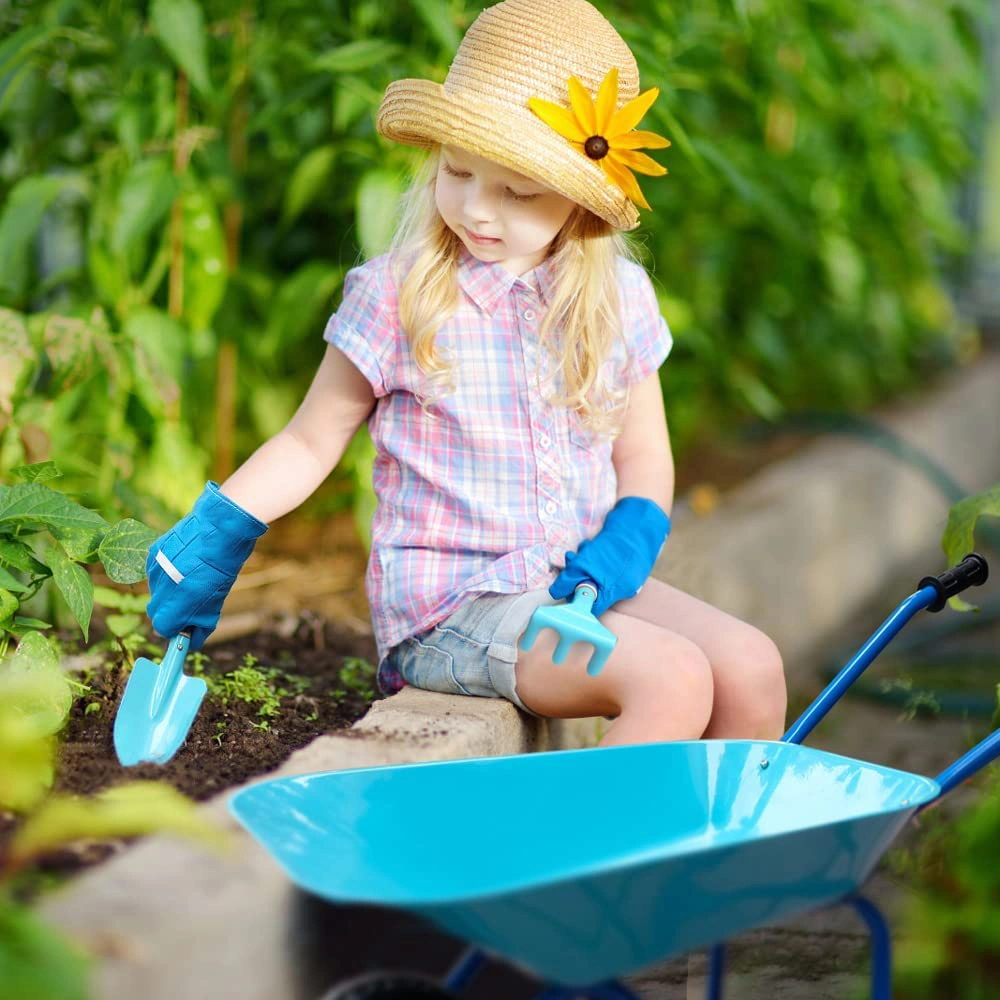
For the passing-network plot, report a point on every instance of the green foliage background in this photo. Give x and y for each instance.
(184, 186)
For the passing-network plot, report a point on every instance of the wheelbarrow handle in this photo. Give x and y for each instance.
(972, 571)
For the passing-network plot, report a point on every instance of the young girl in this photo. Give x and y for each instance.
(505, 357)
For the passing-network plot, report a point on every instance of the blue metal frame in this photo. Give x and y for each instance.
(863, 659)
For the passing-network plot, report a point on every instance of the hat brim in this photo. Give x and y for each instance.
(421, 113)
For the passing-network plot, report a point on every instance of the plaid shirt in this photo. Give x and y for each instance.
(486, 489)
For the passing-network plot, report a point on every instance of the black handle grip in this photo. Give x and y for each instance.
(972, 571)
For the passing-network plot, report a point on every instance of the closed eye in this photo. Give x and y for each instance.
(520, 197)
(449, 169)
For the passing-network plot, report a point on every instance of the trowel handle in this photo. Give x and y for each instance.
(178, 647)
(170, 667)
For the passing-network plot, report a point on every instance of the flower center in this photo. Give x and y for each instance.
(596, 147)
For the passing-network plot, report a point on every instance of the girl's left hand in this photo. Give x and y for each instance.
(620, 557)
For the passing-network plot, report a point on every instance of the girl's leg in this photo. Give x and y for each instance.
(656, 682)
(749, 681)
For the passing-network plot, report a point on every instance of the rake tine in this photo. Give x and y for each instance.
(562, 649)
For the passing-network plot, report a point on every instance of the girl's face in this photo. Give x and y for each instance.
(501, 216)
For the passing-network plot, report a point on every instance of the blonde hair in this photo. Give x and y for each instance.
(581, 325)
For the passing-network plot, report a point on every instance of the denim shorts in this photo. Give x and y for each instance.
(474, 650)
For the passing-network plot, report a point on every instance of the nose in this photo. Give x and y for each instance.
(480, 204)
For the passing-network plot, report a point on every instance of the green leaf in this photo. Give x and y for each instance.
(440, 22)
(144, 200)
(377, 210)
(23, 627)
(15, 51)
(78, 529)
(35, 652)
(17, 554)
(160, 346)
(177, 467)
(35, 699)
(40, 472)
(10, 582)
(9, 605)
(123, 625)
(958, 539)
(106, 273)
(307, 180)
(124, 549)
(299, 302)
(120, 600)
(36, 960)
(205, 271)
(355, 56)
(18, 355)
(180, 26)
(126, 811)
(959, 533)
(22, 215)
(75, 585)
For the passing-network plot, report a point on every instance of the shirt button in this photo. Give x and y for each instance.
(529, 314)
(551, 508)
(545, 441)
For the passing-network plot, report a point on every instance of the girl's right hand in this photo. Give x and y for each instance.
(192, 567)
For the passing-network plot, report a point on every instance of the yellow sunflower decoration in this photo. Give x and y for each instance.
(606, 135)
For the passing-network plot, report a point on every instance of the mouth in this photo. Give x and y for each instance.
(480, 241)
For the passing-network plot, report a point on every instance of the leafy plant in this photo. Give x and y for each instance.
(252, 684)
(950, 937)
(959, 533)
(184, 186)
(807, 235)
(35, 700)
(358, 675)
(45, 536)
(951, 933)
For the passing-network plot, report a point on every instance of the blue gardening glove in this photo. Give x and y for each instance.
(194, 565)
(620, 557)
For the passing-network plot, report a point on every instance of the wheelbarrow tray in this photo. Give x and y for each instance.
(580, 865)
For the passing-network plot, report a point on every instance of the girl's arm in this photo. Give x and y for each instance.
(288, 468)
(641, 453)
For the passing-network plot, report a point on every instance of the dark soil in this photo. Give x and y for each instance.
(229, 742)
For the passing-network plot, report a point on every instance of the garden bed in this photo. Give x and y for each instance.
(270, 693)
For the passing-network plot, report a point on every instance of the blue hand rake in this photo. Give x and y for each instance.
(575, 622)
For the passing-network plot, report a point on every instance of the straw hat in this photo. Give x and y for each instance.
(515, 63)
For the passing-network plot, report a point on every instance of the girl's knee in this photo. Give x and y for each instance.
(674, 681)
(763, 672)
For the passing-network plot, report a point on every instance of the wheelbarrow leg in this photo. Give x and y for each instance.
(460, 974)
(716, 972)
(881, 946)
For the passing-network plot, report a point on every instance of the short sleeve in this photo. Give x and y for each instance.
(364, 328)
(647, 336)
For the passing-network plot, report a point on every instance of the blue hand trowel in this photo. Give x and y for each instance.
(574, 622)
(158, 707)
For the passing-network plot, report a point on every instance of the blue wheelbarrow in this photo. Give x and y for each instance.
(605, 861)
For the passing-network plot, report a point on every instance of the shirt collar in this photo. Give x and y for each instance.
(487, 283)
